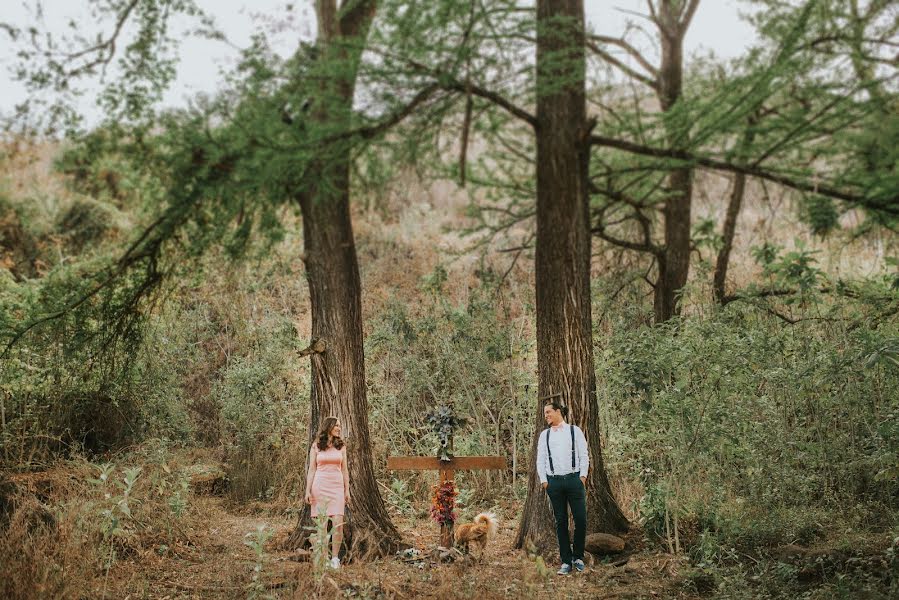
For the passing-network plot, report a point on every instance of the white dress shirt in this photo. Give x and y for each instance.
(560, 444)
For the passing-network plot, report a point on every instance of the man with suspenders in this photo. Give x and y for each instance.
(564, 480)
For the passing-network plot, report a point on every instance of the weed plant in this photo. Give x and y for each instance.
(256, 540)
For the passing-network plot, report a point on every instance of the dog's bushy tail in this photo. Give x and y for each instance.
(487, 521)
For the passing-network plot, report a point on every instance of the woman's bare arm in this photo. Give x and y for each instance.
(346, 475)
(310, 472)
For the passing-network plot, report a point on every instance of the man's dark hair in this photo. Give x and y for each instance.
(559, 406)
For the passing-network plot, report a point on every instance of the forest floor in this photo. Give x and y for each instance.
(228, 549)
(218, 564)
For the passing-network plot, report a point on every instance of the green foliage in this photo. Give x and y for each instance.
(705, 234)
(737, 432)
(116, 510)
(821, 214)
(742, 426)
(399, 496)
(445, 422)
(542, 573)
(54, 65)
(321, 545)
(78, 369)
(791, 270)
(87, 221)
(465, 355)
(136, 506)
(252, 395)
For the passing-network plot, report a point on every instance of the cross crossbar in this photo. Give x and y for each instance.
(457, 463)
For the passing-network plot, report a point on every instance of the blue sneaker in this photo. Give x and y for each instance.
(579, 565)
(565, 569)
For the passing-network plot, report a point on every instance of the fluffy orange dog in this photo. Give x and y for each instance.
(479, 532)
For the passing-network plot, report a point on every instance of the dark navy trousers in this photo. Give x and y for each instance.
(568, 491)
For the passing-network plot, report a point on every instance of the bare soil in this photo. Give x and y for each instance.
(218, 564)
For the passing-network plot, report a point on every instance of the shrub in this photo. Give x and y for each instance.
(738, 425)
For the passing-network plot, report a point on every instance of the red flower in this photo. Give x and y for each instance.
(444, 503)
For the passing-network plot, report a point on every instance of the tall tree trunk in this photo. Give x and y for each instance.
(674, 268)
(564, 329)
(338, 368)
(335, 291)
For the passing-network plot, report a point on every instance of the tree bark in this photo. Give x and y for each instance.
(335, 291)
(674, 267)
(564, 323)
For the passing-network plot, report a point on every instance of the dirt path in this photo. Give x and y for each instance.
(218, 564)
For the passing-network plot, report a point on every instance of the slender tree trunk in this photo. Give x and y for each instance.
(727, 236)
(675, 267)
(335, 291)
(564, 329)
(734, 205)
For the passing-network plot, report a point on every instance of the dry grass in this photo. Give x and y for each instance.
(217, 564)
(53, 547)
(44, 549)
(64, 530)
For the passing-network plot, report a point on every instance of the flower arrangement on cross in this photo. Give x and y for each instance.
(445, 422)
(443, 503)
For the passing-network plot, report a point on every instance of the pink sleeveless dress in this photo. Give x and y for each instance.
(327, 485)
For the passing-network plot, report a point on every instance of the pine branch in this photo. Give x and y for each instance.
(449, 82)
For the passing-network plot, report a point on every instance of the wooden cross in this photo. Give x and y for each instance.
(447, 470)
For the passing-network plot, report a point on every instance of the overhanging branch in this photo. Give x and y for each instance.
(105, 49)
(752, 171)
(396, 118)
(495, 98)
(600, 232)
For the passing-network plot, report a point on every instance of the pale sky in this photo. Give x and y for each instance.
(716, 27)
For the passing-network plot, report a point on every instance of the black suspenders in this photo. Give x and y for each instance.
(550, 453)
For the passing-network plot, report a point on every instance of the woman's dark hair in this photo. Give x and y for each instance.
(559, 406)
(323, 435)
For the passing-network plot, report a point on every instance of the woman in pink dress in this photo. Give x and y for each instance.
(328, 482)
